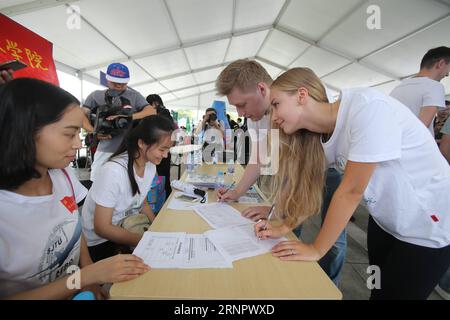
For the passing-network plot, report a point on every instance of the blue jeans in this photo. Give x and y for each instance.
(334, 259)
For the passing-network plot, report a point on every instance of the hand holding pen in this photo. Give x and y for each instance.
(227, 194)
(262, 226)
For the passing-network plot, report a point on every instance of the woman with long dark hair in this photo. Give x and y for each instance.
(121, 187)
(40, 229)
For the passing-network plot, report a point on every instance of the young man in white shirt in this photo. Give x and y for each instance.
(247, 86)
(423, 94)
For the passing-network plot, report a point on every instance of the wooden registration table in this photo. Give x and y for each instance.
(260, 277)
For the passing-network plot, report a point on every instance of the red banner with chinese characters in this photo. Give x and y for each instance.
(19, 43)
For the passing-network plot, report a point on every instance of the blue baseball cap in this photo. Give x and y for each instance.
(118, 73)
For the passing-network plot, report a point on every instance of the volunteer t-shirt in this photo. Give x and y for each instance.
(39, 236)
(408, 193)
(112, 189)
(258, 132)
(419, 92)
(212, 135)
(259, 129)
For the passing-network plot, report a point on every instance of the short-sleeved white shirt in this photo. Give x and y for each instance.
(419, 92)
(259, 127)
(408, 194)
(112, 189)
(258, 132)
(39, 236)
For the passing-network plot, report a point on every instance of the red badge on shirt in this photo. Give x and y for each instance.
(69, 203)
(435, 218)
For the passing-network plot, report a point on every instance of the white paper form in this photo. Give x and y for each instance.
(161, 249)
(240, 242)
(221, 215)
(182, 201)
(199, 252)
(251, 197)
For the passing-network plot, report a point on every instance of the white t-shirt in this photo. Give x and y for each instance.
(39, 236)
(419, 92)
(212, 135)
(260, 128)
(112, 189)
(258, 132)
(408, 194)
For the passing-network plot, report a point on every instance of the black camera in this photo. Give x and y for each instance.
(212, 117)
(116, 105)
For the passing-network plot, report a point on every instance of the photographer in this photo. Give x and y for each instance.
(211, 131)
(112, 111)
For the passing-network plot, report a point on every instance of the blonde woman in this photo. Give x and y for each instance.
(388, 159)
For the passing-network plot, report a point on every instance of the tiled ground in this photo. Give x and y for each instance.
(354, 276)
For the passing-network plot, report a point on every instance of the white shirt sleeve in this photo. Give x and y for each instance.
(106, 188)
(434, 96)
(375, 134)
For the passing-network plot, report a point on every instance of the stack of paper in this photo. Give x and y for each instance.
(220, 215)
(251, 197)
(239, 242)
(203, 180)
(234, 235)
(233, 238)
(179, 250)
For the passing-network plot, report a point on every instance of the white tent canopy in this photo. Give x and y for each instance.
(177, 48)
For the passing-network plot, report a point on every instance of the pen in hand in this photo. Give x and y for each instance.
(270, 216)
(228, 189)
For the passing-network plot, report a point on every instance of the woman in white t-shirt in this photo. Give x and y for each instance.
(40, 231)
(122, 185)
(389, 160)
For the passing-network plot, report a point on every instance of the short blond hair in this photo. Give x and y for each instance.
(243, 74)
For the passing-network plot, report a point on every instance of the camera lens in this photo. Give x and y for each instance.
(121, 123)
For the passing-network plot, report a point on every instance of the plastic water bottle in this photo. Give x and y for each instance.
(190, 163)
(230, 166)
(220, 180)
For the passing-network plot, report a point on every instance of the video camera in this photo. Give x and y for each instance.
(115, 105)
(212, 117)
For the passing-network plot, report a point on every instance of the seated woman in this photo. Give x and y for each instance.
(40, 228)
(121, 187)
(389, 160)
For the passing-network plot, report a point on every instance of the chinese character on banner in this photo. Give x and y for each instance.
(19, 43)
(13, 50)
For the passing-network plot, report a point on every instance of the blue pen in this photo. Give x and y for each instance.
(228, 189)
